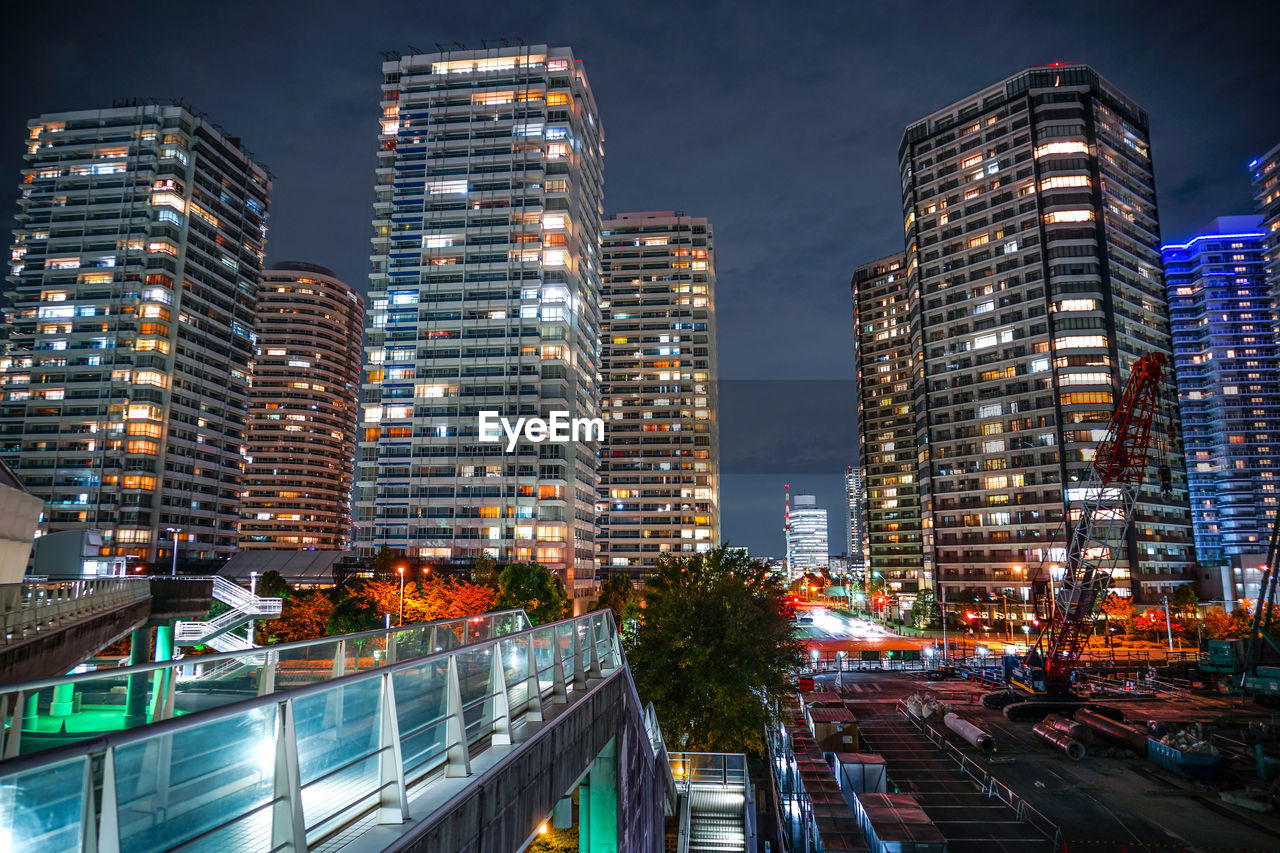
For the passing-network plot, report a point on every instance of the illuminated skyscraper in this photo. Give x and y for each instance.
(484, 296)
(136, 259)
(1228, 365)
(1033, 264)
(887, 426)
(807, 537)
(857, 520)
(1266, 194)
(659, 468)
(302, 411)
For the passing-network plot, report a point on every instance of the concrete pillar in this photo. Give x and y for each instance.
(562, 814)
(164, 642)
(63, 696)
(135, 700)
(599, 812)
(584, 815)
(30, 711)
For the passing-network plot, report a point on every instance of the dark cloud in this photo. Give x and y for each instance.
(779, 121)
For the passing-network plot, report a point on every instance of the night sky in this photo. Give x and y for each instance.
(778, 121)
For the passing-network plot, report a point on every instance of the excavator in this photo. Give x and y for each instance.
(1041, 681)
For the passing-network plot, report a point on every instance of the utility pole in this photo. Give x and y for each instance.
(1168, 623)
(943, 590)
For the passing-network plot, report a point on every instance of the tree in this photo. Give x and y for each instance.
(356, 611)
(1184, 599)
(1119, 612)
(535, 589)
(716, 650)
(619, 594)
(272, 584)
(385, 562)
(303, 616)
(925, 612)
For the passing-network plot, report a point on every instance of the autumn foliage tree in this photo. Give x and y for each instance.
(363, 604)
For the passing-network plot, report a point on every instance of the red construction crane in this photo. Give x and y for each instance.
(1097, 543)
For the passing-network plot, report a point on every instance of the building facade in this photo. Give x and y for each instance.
(1033, 258)
(806, 537)
(1228, 367)
(302, 411)
(484, 296)
(136, 258)
(659, 469)
(887, 426)
(1266, 194)
(857, 520)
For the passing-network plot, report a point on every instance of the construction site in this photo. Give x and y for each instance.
(1051, 747)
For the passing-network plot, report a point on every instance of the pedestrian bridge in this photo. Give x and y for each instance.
(430, 745)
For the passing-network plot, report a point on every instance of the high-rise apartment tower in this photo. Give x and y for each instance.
(136, 260)
(887, 426)
(1228, 366)
(1034, 271)
(484, 296)
(659, 469)
(302, 411)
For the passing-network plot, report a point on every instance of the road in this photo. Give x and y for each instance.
(830, 632)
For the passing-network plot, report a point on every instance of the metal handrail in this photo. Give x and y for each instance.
(582, 648)
(258, 653)
(29, 608)
(1023, 810)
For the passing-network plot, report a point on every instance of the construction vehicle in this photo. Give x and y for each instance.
(1040, 682)
(1251, 665)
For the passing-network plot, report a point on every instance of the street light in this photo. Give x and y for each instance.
(400, 569)
(173, 569)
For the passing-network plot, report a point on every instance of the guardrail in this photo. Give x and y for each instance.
(225, 678)
(290, 770)
(727, 769)
(988, 784)
(30, 608)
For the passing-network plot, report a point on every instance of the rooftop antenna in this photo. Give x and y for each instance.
(484, 44)
(505, 42)
(519, 41)
(460, 45)
(439, 47)
(414, 49)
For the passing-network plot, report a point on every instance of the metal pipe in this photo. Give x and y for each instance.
(1069, 727)
(1115, 732)
(1073, 748)
(971, 733)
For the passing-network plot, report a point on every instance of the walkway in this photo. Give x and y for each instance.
(465, 748)
(56, 711)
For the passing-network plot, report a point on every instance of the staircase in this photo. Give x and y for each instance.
(215, 632)
(716, 820)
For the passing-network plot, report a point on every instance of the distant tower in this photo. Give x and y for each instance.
(857, 521)
(807, 523)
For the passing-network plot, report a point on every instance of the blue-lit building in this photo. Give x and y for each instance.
(1228, 368)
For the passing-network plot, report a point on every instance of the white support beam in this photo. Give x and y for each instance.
(559, 686)
(88, 816)
(267, 675)
(593, 643)
(109, 824)
(499, 704)
(393, 799)
(579, 669)
(458, 756)
(288, 828)
(533, 684)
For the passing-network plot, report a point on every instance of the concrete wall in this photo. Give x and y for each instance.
(19, 513)
(499, 815)
(52, 653)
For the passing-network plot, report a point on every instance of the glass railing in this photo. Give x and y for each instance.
(289, 770)
(55, 711)
(709, 768)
